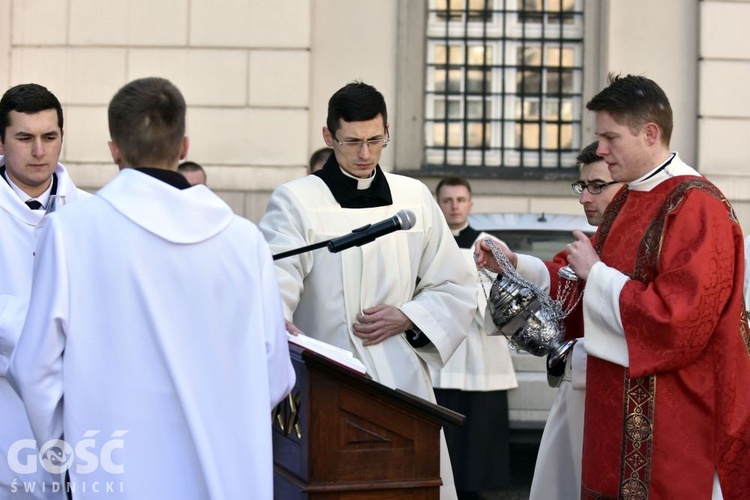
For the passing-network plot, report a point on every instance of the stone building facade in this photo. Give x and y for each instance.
(257, 75)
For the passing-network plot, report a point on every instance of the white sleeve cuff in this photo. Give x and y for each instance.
(603, 330)
(578, 359)
(534, 270)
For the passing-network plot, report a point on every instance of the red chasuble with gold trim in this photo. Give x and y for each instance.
(660, 428)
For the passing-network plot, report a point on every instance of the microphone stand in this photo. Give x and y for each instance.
(359, 235)
(296, 251)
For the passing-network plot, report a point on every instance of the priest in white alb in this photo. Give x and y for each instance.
(399, 303)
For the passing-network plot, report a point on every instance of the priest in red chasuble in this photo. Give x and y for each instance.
(667, 407)
(668, 376)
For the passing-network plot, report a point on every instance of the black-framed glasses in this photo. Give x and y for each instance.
(593, 188)
(374, 144)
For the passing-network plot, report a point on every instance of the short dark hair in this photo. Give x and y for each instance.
(318, 156)
(27, 98)
(189, 166)
(147, 121)
(452, 181)
(635, 101)
(355, 102)
(588, 154)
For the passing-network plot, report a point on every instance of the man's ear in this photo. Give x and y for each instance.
(184, 147)
(115, 152)
(328, 137)
(652, 133)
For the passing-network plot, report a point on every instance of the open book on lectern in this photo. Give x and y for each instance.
(336, 354)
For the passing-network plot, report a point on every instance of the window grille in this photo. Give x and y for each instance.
(504, 83)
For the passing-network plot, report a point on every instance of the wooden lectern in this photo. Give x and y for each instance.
(341, 435)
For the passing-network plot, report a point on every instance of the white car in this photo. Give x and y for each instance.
(540, 235)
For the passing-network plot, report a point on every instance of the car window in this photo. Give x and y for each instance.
(539, 243)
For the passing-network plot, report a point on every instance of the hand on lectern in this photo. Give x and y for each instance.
(292, 329)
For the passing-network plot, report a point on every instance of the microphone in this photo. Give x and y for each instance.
(404, 219)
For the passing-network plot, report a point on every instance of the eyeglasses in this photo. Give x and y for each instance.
(593, 188)
(374, 144)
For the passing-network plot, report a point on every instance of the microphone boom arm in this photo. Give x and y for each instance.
(299, 250)
(404, 219)
(321, 244)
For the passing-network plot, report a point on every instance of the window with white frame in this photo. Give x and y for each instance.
(504, 83)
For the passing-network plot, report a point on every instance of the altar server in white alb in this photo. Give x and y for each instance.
(557, 473)
(476, 380)
(155, 328)
(31, 134)
(399, 303)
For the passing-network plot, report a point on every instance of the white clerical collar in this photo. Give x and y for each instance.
(362, 184)
(456, 232)
(42, 198)
(671, 167)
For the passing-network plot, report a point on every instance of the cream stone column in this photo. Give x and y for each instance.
(724, 107)
(660, 41)
(5, 34)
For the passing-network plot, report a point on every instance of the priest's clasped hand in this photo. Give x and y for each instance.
(581, 255)
(376, 324)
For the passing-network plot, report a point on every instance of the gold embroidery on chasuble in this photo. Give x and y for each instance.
(637, 437)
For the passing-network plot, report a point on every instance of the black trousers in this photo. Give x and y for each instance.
(479, 450)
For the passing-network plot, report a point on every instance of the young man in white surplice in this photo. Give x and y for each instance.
(31, 136)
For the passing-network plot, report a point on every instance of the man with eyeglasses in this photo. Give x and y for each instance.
(557, 473)
(595, 187)
(667, 413)
(400, 303)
